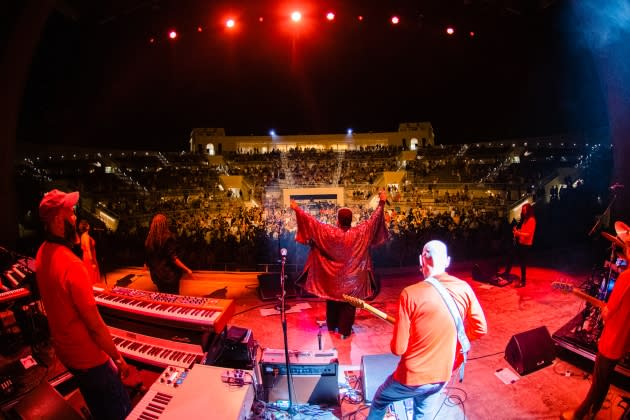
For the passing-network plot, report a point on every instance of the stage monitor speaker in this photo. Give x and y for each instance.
(486, 272)
(375, 369)
(314, 374)
(44, 402)
(531, 350)
(269, 287)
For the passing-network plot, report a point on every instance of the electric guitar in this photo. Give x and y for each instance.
(356, 302)
(568, 287)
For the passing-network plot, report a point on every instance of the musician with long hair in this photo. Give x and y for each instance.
(165, 267)
(522, 245)
(88, 248)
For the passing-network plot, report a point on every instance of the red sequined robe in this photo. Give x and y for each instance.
(339, 261)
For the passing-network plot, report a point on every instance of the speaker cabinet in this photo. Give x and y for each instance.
(375, 369)
(269, 286)
(531, 350)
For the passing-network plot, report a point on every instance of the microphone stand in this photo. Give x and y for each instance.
(598, 222)
(283, 318)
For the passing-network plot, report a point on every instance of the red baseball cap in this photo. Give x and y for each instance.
(54, 201)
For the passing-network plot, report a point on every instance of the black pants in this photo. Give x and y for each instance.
(521, 253)
(602, 373)
(340, 315)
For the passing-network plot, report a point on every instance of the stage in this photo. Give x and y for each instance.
(491, 388)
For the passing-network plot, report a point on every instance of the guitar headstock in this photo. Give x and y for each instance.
(354, 301)
(563, 286)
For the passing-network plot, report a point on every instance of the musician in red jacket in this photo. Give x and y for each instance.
(339, 261)
(81, 339)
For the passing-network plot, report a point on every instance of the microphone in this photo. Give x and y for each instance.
(616, 186)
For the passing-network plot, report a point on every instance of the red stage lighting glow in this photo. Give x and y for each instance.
(172, 34)
(260, 19)
(360, 18)
(296, 16)
(230, 23)
(151, 40)
(395, 20)
(199, 29)
(330, 16)
(450, 30)
(472, 34)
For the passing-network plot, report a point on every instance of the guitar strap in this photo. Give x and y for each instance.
(464, 342)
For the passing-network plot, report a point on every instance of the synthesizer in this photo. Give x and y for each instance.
(156, 307)
(11, 295)
(200, 392)
(155, 351)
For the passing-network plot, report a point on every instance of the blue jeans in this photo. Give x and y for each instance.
(103, 391)
(426, 398)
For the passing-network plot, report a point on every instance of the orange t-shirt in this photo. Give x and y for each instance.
(425, 335)
(66, 292)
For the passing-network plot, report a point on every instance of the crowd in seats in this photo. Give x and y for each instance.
(216, 227)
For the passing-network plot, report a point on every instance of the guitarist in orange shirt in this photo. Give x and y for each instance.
(425, 336)
(614, 342)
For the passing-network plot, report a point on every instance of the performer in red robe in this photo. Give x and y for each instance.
(339, 261)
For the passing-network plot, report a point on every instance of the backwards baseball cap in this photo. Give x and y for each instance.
(54, 201)
(623, 232)
(344, 216)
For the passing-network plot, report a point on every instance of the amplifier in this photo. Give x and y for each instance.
(314, 374)
(233, 348)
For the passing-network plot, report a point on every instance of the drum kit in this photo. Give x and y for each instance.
(618, 261)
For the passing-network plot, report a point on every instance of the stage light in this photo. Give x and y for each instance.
(296, 16)
(471, 33)
(260, 19)
(272, 132)
(230, 23)
(199, 29)
(330, 16)
(349, 131)
(450, 30)
(172, 34)
(395, 20)
(151, 40)
(360, 18)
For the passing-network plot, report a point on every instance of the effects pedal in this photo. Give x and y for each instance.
(234, 377)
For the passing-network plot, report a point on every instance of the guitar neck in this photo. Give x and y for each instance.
(590, 299)
(379, 313)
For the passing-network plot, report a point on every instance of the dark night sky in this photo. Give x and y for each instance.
(96, 80)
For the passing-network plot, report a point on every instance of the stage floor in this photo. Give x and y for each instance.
(543, 394)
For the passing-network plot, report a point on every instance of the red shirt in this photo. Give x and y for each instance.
(66, 292)
(614, 342)
(425, 335)
(527, 231)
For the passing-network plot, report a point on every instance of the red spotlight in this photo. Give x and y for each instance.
(260, 19)
(395, 20)
(330, 16)
(360, 18)
(199, 29)
(172, 34)
(230, 23)
(296, 16)
(471, 33)
(450, 30)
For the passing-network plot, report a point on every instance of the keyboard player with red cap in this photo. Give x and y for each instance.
(80, 338)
